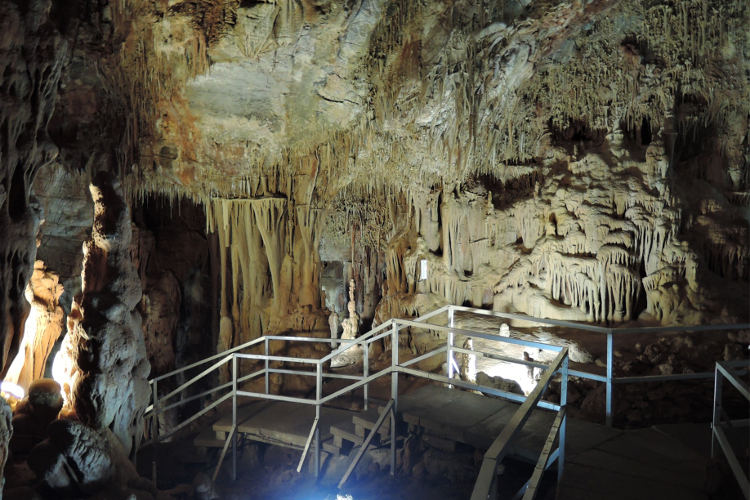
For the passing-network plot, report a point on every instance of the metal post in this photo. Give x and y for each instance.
(267, 385)
(318, 396)
(472, 368)
(449, 351)
(394, 393)
(717, 408)
(234, 417)
(366, 370)
(564, 423)
(609, 379)
(154, 431)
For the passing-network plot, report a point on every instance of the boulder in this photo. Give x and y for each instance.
(44, 393)
(75, 458)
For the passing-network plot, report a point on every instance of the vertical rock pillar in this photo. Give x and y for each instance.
(108, 366)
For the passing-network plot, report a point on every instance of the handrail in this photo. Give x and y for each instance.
(364, 339)
(602, 329)
(196, 378)
(206, 360)
(610, 380)
(544, 459)
(499, 447)
(392, 329)
(723, 371)
(480, 335)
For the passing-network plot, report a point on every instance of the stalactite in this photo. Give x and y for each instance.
(309, 221)
(244, 265)
(270, 216)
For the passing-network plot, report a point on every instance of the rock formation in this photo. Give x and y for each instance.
(42, 329)
(104, 351)
(351, 328)
(6, 432)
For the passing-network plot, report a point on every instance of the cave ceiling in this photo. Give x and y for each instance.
(215, 98)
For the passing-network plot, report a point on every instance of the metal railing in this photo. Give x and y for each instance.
(610, 380)
(391, 330)
(728, 371)
(486, 483)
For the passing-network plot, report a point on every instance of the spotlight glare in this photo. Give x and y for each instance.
(12, 389)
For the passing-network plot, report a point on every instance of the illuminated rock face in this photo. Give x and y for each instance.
(541, 158)
(578, 240)
(43, 327)
(104, 347)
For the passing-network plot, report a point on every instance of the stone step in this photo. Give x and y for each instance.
(331, 448)
(364, 421)
(208, 439)
(345, 431)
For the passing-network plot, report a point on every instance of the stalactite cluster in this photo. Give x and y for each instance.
(583, 249)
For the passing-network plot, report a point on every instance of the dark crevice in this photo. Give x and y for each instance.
(17, 195)
(645, 132)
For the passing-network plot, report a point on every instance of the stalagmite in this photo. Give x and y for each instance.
(43, 327)
(351, 327)
(106, 356)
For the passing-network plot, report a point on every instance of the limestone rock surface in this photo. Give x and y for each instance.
(104, 351)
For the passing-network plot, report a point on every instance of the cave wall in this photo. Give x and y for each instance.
(579, 161)
(31, 59)
(606, 237)
(172, 258)
(584, 161)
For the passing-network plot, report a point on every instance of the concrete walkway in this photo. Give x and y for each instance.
(655, 463)
(660, 463)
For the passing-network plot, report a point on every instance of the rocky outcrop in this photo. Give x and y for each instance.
(104, 352)
(33, 414)
(67, 214)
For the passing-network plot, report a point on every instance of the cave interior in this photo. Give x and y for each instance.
(184, 181)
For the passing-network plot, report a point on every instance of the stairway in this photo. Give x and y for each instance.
(347, 435)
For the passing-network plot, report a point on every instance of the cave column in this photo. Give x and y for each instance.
(104, 350)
